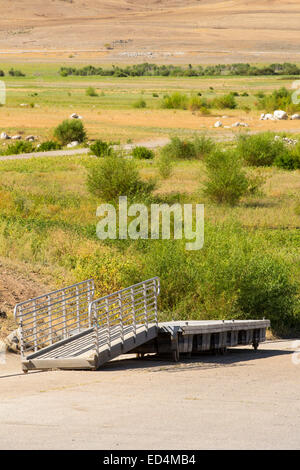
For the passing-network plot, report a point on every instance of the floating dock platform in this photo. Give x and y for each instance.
(69, 329)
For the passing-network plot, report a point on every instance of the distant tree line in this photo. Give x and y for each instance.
(147, 69)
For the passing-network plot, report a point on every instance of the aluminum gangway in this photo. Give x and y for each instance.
(70, 329)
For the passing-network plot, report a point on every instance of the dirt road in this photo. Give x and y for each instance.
(241, 400)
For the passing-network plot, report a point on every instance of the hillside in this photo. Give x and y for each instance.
(199, 31)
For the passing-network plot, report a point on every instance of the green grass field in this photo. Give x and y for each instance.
(48, 218)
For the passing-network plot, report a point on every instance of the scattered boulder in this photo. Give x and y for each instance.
(72, 144)
(218, 124)
(75, 116)
(295, 116)
(286, 140)
(13, 341)
(268, 117)
(4, 136)
(240, 124)
(280, 115)
(16, 137)
(30, 138)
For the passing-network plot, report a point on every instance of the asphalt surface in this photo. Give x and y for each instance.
(243, 400)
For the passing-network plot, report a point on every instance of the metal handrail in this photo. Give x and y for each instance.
(131, 308)
(49, 318)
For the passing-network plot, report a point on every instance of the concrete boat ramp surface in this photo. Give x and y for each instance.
(242, 400)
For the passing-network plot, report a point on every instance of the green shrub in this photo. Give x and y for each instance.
(196, 103)
(260, 149)
(203, 146)
(49, 145)
(142, 153)
(225, 102)
(233, 276)
(140, 103)
(290, 159)
(165, 165)
(179, 149)
(90, 91)
(69, 131)
(16, 73)
(226, 181)
(175, 101)
(19, 147)
(115, 176)
(101, 149)
(279, 99)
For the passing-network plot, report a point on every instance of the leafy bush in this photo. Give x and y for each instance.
(203, 146)
(260, 149)
(279, 99)
(165, 165)
(226, 181)
(225, 102)
(101, 149)
(69, 131)
(115, 176)
(142, 153)
(90, 91)
(49, 145)
(290, 159)
(140, 103)
(19, 147)
(233, 276)
(16, 73)
(175, 101)
(196, 103)
(179, 149)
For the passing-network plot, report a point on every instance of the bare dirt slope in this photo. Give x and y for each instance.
(17, 285)
(172, 30)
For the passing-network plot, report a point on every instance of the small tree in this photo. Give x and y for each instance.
(113, 177)
(90, 91)
(70, 130)
(226, 181)
(101, 149)
(165, 166)
(142, 153)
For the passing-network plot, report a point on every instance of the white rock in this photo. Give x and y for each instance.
(295, 116)
(218, 124)
(16, 137)
(13, 341)
(269, 117)
(72, 144)
(262, 117)
(280, 115)
(75, 116)
(30, 138)
(4, 136)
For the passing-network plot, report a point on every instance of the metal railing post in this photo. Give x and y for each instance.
(145, 307)
(108, 326)
(35, 329)
(50, 321)
(133, 312)
(121, 318)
